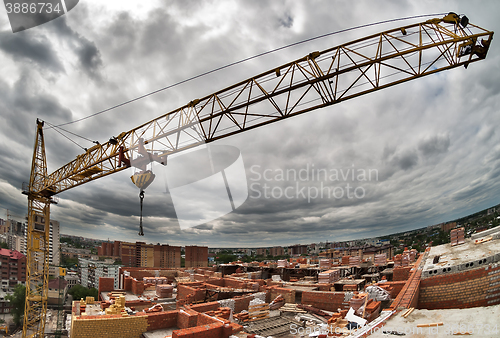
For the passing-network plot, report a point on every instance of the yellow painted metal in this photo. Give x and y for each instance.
(37, 269)
(319, 79)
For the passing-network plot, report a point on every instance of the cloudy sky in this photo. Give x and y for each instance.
(431, 144)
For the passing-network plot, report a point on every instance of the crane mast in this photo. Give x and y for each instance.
(319, 79)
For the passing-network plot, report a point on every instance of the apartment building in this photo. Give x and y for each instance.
(196, 256)
(12, 268)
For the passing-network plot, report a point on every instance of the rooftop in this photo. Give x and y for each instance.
(479, 321)
(462, 254)
(13, 254)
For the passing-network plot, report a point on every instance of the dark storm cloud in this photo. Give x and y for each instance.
(86, 51)
(286, 21)
(31, 48)
(432, 141)
(434, 145)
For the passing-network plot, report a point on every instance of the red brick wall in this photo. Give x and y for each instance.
(396, 287)
(187, 318)
(216, 281)
(162, 320)
(137, 287)
(466, 289)
(329, 301)
(241, 303)
(185, 290)
(207, 331)
(288, 294)
(106, 284)
(127, 284)
(324, 287)
(203, 319)
(204, 307)
(401, 273)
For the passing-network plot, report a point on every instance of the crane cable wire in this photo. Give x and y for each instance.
(239, 62)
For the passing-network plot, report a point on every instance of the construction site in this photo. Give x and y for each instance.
(412, 294)
(449, 289)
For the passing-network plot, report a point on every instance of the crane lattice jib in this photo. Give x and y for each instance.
(317, 80)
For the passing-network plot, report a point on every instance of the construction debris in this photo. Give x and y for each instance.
(289, 307)
(377, 293)
(258, 312)
(277, 303)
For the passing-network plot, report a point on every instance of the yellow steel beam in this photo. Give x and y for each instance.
(317, 80)
(37, 243)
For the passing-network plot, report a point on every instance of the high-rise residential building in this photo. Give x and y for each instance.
(140, 254)
(261, 252)
(145, 254)
(196, 256)
(90, 271)
(297, 249)
(54, 256)
(276, 251)
(12, 268)
(15, 235)
(167, 256)
(127, 254)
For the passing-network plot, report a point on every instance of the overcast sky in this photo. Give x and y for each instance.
(432, 144)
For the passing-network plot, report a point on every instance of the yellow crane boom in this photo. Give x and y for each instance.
(319, 79)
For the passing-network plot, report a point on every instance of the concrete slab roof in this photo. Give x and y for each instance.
(479, 321)
(460, 254)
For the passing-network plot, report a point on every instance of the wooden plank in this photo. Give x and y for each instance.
(409, 311)
(430, 324)
(260, 318)
(483, 240)
(404, 312)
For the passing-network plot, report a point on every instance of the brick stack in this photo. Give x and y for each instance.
(350, 287)
(223, 312)
(457, 236)
(164, 291)
(413, 255)
(345, 260)
(358, 301)
(282, 263)
(354, 260)
(372, 310)
(405, 260)
(380, 259)
(328, 301)
(328, 277)
(325, 264)
(397, 260)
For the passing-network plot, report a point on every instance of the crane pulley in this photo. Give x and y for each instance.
(319, 79)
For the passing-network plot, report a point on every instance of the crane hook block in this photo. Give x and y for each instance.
(143, 179)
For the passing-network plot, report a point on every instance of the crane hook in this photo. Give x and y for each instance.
(141, 196)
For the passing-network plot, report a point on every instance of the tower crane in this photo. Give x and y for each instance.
(319, 79)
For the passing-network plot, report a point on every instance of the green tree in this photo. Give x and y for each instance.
(78, 292)
(17, 302)
(4, 245)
